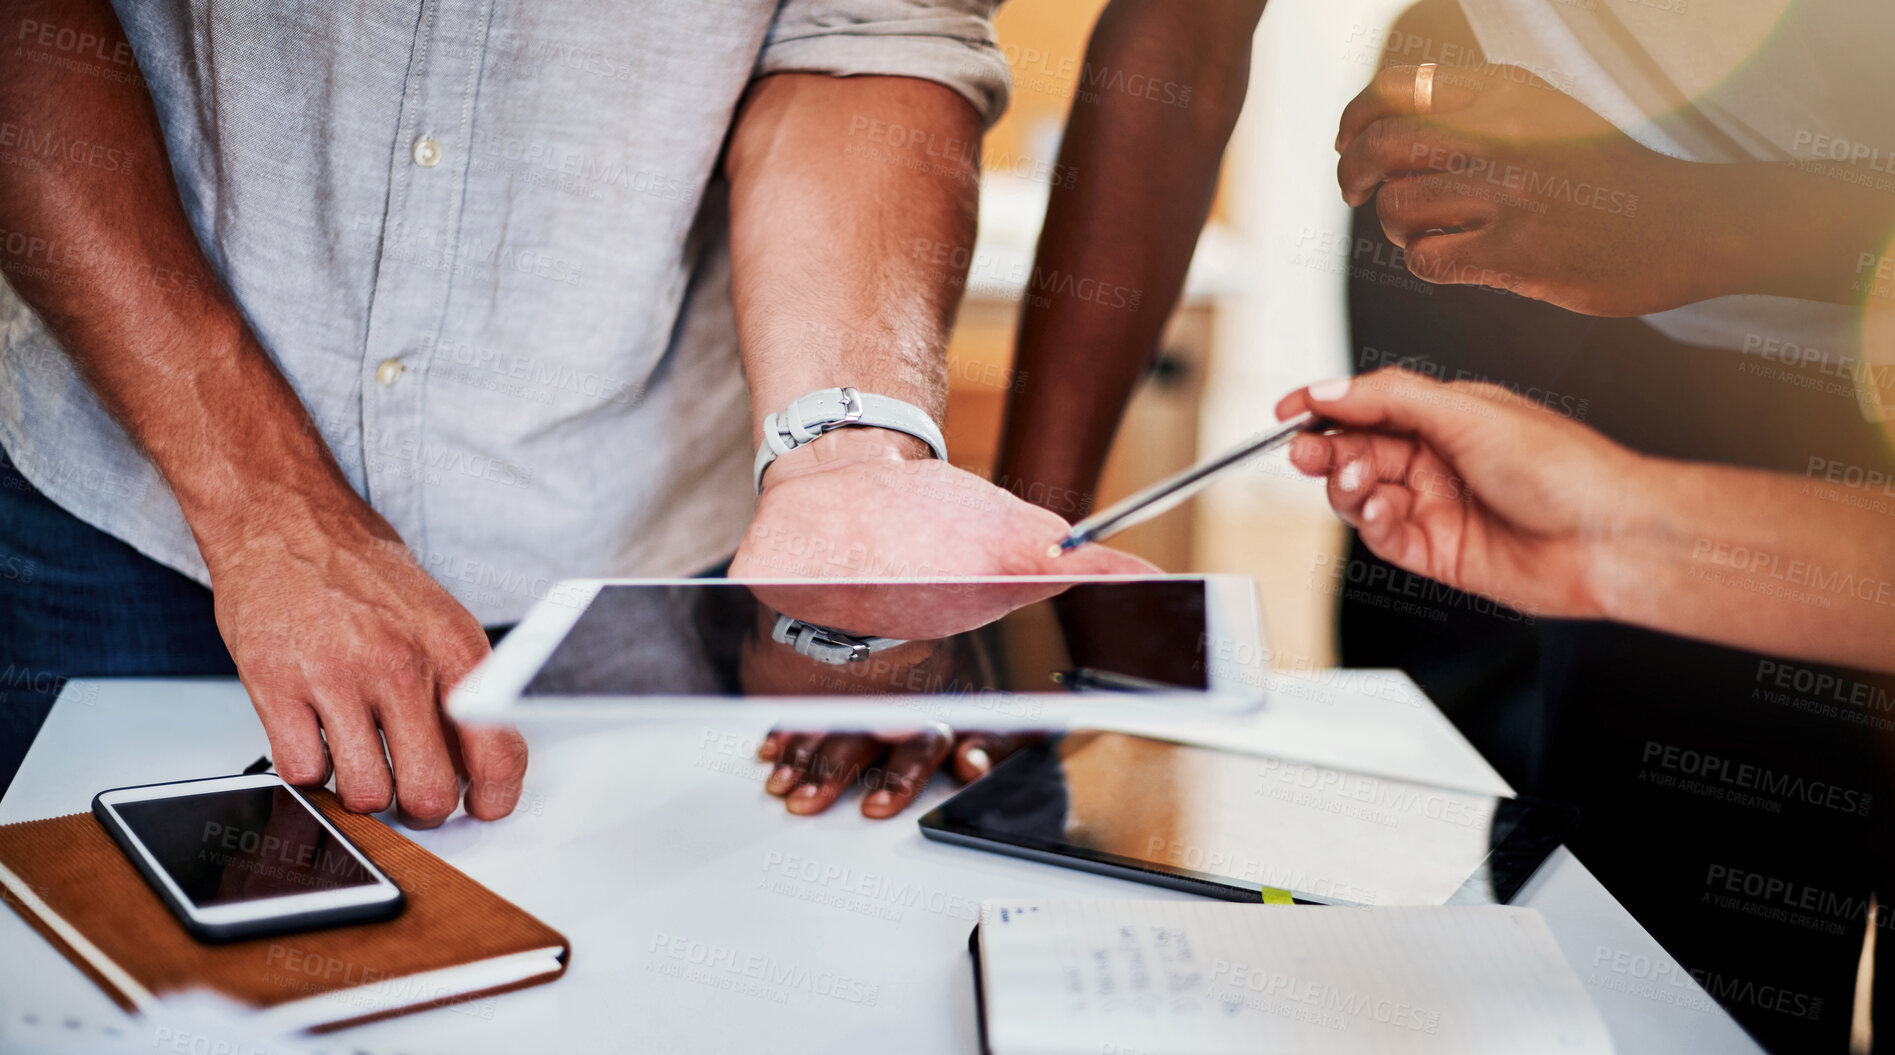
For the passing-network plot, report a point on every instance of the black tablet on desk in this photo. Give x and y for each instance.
(1246, 827)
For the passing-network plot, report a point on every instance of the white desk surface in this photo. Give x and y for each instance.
(628, 837)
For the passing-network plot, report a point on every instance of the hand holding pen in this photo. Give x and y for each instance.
(1169, 492)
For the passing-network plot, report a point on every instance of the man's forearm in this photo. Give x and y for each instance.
(1141, 172)
(837, 224)
(1807, 569)
(123, 284)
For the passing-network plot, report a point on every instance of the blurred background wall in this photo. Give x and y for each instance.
(1263, 310)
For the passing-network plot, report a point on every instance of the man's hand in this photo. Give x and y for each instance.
(337, 633)
(1512, 184)
(869, 503)
(865, 503)
(1471, 486)
(327, 617)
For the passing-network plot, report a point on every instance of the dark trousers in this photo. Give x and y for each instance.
(76, 602)
(1740, 805)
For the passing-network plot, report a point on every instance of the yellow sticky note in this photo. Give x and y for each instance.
(1273, 896)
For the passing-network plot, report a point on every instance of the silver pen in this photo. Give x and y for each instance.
(1172, 490)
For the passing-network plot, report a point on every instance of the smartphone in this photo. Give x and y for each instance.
(244, 856)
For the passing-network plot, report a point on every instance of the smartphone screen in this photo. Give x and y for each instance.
(244, 844)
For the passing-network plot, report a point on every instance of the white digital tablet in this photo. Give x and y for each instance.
(991, 653)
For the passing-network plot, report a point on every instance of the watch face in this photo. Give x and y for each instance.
(883, 638)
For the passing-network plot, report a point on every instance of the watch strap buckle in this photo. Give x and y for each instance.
(826, 644)
(833, 408)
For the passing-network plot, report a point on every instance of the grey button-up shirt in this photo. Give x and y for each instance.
(485, 244)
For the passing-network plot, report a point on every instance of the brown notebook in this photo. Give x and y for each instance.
(454, 942)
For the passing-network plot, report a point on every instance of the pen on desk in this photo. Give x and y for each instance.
(1168, 492)
(1083, 679)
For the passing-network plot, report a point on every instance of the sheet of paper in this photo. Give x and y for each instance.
(1111, 977)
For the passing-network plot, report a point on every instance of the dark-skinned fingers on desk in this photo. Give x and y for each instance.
(793, 753)
(976, 753)
(836, 763)
(911, 761)
(773, 744)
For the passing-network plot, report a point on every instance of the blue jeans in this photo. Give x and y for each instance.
(76, 602)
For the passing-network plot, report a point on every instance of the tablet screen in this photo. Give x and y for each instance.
(718, 639)
(1246, 822)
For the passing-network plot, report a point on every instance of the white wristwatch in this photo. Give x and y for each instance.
(826, 644)
(836, 408)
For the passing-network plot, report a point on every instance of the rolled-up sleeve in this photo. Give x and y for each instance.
(950, 42)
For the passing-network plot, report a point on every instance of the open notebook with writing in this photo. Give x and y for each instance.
(1194, 978)
(456, 942)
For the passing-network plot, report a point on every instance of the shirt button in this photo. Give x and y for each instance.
(427, 152)
(388, 372)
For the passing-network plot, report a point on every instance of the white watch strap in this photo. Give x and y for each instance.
(835, 408)
(827, 644)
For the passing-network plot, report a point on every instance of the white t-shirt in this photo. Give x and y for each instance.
(1804, 81)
